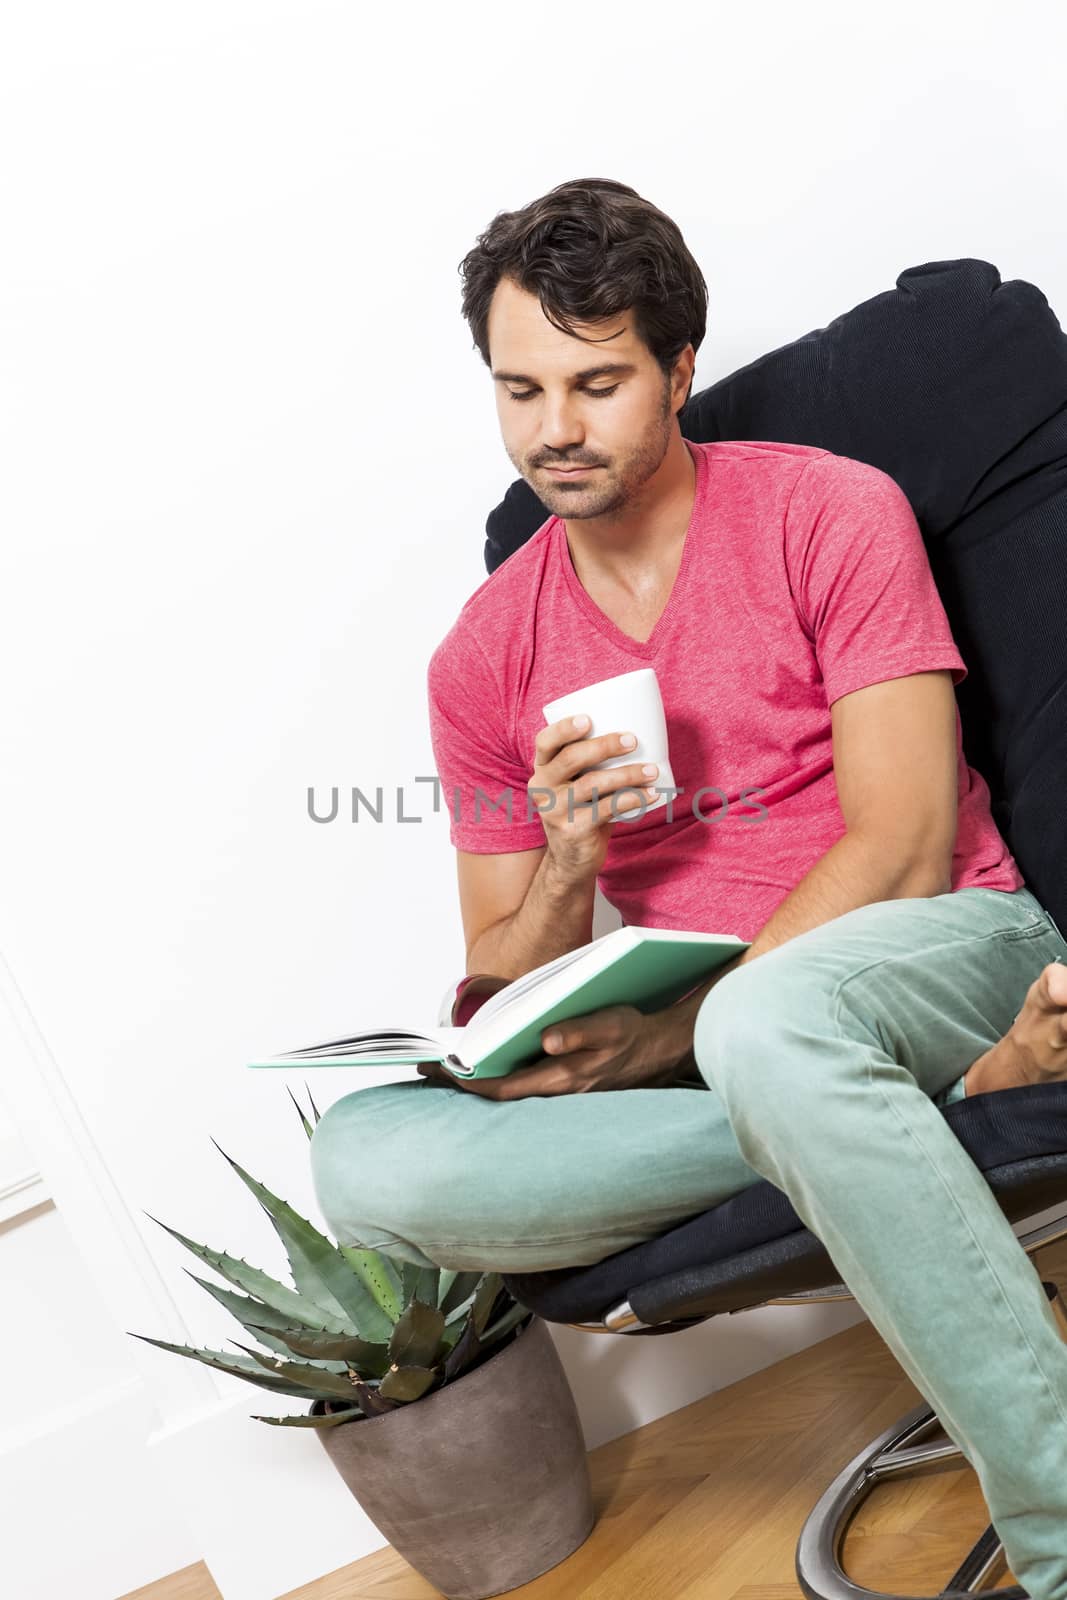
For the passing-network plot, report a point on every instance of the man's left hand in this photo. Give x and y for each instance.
(618, 1047)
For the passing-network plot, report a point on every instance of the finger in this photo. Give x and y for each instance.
(541, 1077)
(504, 1088)
(550, 740)
(625, 798)
(590, 1031)
(484, 1088)
(563, 744)
(434, 1072)
(577, 1033)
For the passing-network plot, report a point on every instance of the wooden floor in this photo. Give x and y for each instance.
(708, 1503)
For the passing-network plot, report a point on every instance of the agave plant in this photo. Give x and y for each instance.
(377, 1333)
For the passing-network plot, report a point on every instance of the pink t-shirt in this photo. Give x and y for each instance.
(803, 577)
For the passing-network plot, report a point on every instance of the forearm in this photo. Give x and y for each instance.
(855, 871)
(555, 917)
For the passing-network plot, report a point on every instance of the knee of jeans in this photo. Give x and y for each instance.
(739, 1036)
(371, 1163)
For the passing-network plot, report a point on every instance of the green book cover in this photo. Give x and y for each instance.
(648, 968)
(649, 973)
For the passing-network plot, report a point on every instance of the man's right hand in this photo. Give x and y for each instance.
(577, 831)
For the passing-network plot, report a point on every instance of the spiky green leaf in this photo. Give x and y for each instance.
(370, 1359)
(419, 1283)
(260, 1320)
(458, 1315)
(503, 1325)
(308, 1129)
(451, 1336)
(407, 1383)
(464, 1351)
(485, 1299)
(381, 1277)
(417, 1336)
(237, 1367)
(319, 1268)
(299, 1308)
(320, 1379)
(374, 1404)
(446, 1278)
(462, 1289)
(352, 1414)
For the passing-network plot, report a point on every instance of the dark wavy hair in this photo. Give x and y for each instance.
(589, 249)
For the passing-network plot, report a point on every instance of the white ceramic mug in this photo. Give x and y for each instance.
(629, 703)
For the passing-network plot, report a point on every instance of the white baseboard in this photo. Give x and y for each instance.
(83, 1514)
(269, 1509)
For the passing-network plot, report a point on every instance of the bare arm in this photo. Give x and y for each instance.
(553, 914)
(523, 909)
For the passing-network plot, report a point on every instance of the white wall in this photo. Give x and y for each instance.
(248, 455)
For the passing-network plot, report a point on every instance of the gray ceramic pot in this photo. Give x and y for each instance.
(483, 1484)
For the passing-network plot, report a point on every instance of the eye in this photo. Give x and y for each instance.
(597, 394)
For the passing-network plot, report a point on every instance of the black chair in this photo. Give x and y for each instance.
(956, 385)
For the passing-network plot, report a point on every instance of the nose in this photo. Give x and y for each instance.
(560, 428)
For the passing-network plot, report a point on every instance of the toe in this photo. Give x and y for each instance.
(1053, 986)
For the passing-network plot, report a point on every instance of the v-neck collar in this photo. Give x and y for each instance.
(644, 648)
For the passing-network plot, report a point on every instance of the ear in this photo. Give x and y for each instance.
(682, 379)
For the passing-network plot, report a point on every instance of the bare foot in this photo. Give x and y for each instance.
(1034, 1049)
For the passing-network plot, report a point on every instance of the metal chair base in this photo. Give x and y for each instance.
(818, 1565)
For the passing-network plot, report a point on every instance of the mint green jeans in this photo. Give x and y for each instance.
(824, 1062)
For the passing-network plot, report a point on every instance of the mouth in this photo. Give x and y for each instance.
(569, 472)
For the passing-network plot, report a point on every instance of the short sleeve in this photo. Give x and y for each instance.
(861, 578)
(483, 782)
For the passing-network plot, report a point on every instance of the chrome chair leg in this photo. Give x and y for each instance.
(818, 1558)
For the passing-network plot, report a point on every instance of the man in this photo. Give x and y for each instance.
(784, 597)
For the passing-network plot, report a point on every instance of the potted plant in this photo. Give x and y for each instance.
(439, 1398)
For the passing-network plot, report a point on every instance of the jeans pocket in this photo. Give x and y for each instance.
(1041, 923)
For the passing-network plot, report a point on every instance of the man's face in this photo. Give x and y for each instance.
(618, 425)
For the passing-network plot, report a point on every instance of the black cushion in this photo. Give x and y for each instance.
(955, 384)
(754, 1244)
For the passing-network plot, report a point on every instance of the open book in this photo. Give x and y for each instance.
(648, 968)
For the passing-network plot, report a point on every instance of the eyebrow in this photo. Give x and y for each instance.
(602, 371)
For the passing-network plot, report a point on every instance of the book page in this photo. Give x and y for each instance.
(530, 980)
